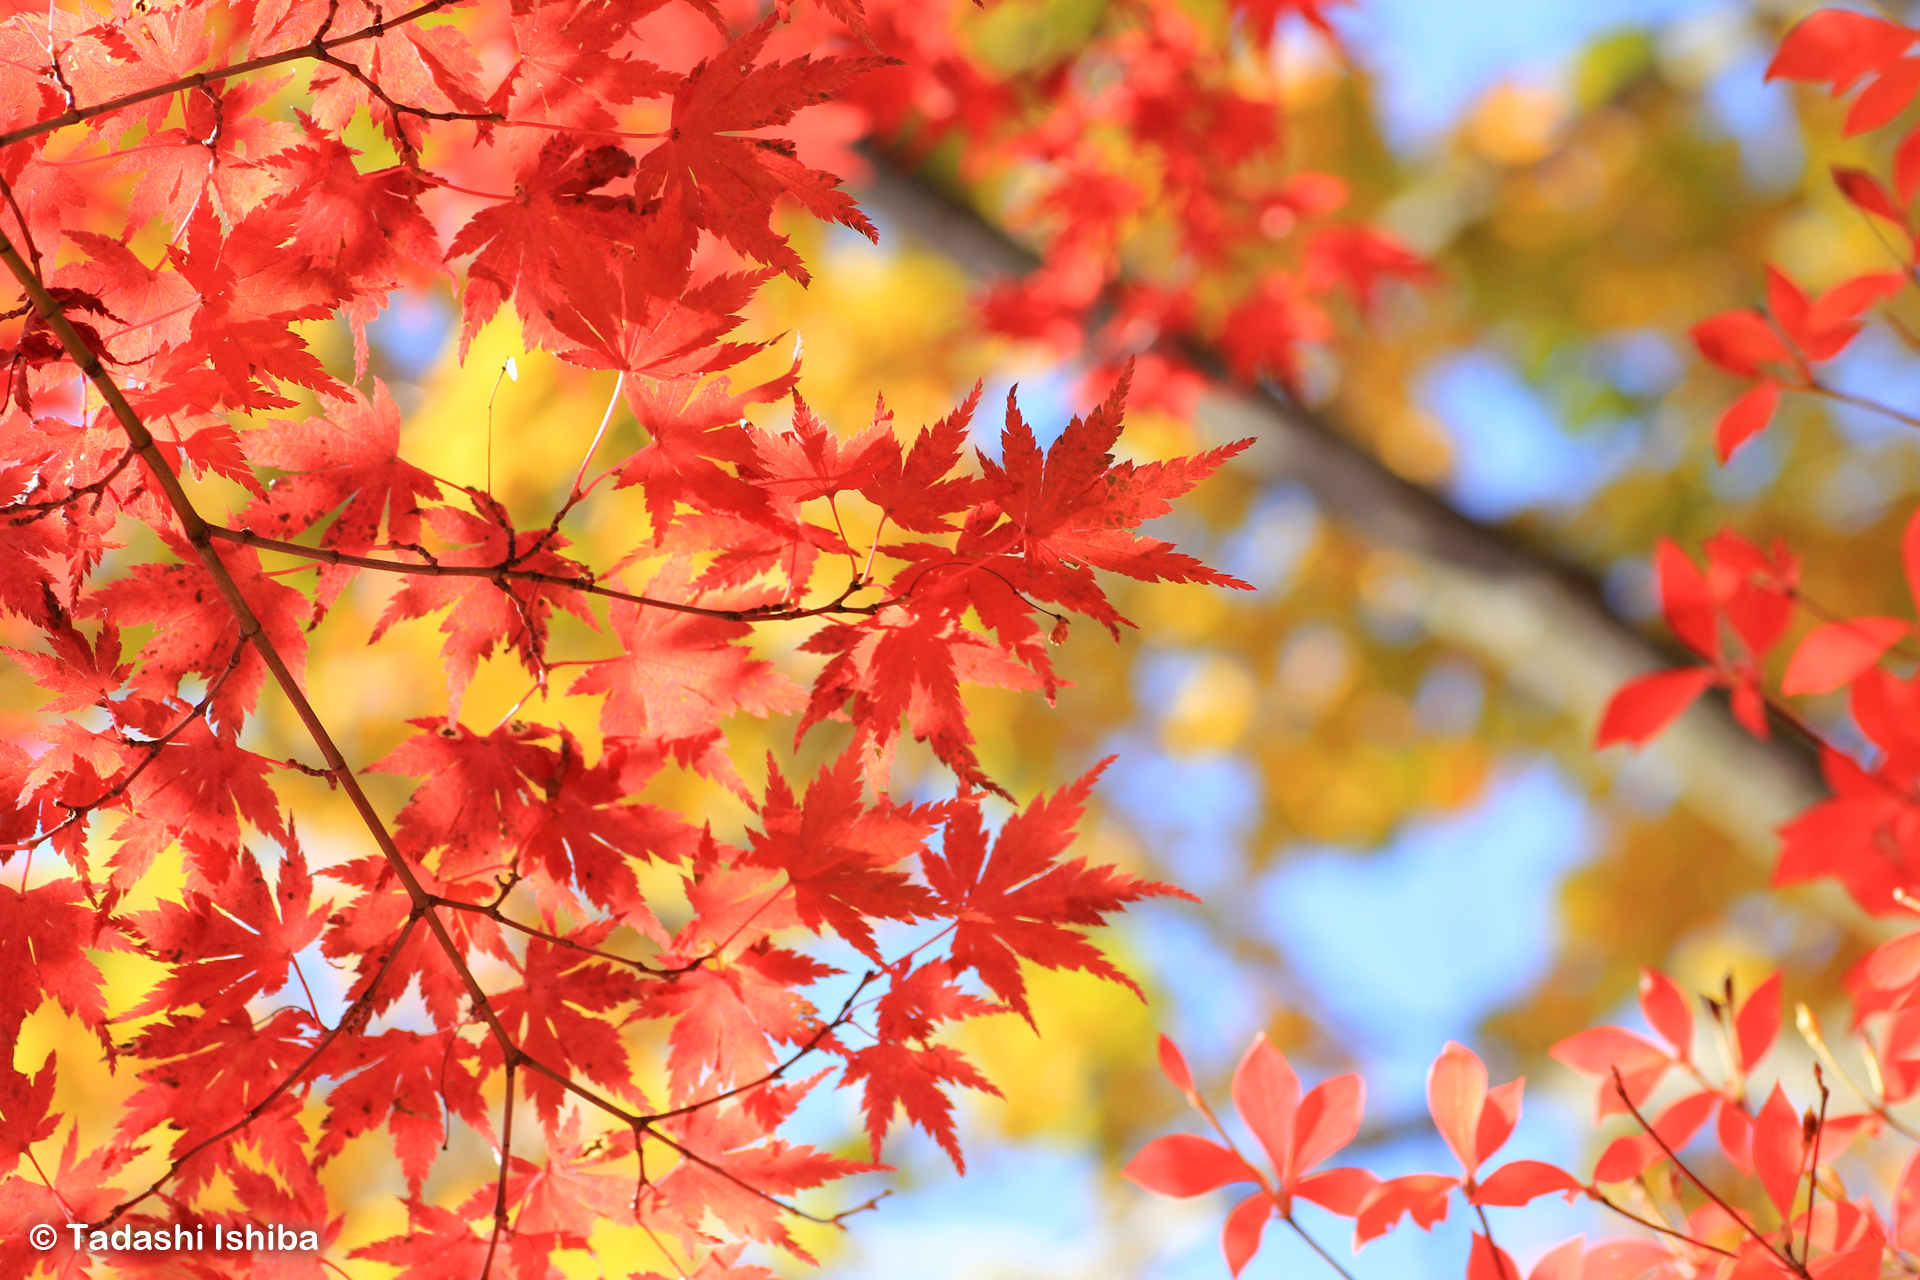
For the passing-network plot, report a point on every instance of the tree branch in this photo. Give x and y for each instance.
(317, 48)
(1786, 1259)
(492, 912)
(434, 569)
(293, 1077)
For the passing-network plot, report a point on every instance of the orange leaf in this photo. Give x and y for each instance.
(1745, 418)
(1645, 706)
(1739, 342)
(1758, 1023)
(1185, 1164)
(1456, 1094)
(1864, 192)
(1838, 46)
(1836, 654)
(1240, 1238)
(1522, 1181)
(1667, 1010)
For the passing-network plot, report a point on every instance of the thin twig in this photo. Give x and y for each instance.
(1813, 1171)
(154, 746)
(1486, 1228)
(492, 912)
(825, 1029)
(96, 490)
(1315, 1246)
(315, 48)
(1596, 1194)
(254, 1112)
(434, 569)
(500, 1188)
(1620, 1087)
(1861, 402)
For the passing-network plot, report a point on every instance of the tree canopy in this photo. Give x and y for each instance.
(566, 715)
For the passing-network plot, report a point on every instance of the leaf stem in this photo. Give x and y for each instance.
(1620, 1087)
(318, 47)
(1596, 1194)
(1315, 1246)
(434, 569)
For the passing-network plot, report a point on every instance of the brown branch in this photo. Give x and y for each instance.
(1597, 1194)
(95, 489)
(1786, 1259)
(1816, 387)
(400, 108)
(492, 912)
(500, 1187)
(1813, 1172)
(825, 1029)
(254, 1112)
(1486, 1228)
(1327, 1257)
(318, 48)
(435, 569)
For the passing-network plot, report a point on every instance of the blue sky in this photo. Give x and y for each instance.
(1432, 57)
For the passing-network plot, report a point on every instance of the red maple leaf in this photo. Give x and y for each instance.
(695, 432)
(44, 936)
(727, 1017)
(519, 244)
(473, 789)
(556, 1016)
(840, 857)
(79, 673)
(207, 1077)
(80, 1192)
(730, 1168)
(195, 789)
(402, 1079)
(809, 461)
(438, 1245)
(345, 460)
(916, 490)
(25, 1106)
(728, 181)
(194, 634)
(680, 674)
(1021, 903)
(367, 929)
(903, 1075)
(583, 835)
(233, 943)
(1073, 509)
(484, 614)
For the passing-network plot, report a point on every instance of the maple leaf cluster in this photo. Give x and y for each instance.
(183, 204)
(1175, 227)
(1773, 1144)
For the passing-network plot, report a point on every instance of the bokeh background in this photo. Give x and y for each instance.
(1380, 784)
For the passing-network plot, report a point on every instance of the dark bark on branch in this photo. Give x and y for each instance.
(1542, 621)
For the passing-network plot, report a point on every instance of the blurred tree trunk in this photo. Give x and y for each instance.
(1542, 621)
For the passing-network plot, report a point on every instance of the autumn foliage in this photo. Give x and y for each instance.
(182, 205)
(623, 999)
(1729, 1167)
